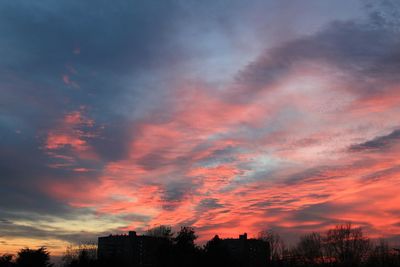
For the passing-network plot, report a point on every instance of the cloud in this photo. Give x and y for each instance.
(131, 115)
(379, 143)
(210, 203)
(362, 55)
(174, 193)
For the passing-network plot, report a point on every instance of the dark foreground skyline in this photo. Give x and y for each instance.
(341, 246)
(230, 116)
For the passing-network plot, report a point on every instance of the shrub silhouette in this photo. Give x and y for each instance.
(33, 258)
(6, 260)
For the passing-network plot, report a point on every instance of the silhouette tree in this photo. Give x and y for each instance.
(160, 231)
(347, 245)
(84, 255)
(185, 238)
(33, 258)
(310, 249)
(185, 251)
(276, 245)
(381, 255)
(6, 260)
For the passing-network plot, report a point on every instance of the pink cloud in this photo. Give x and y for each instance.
(72, 133)
(267, 163)
(66, 79)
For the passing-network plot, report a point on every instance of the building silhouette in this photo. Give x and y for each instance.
(246, 252)
(134, 250)
(131, 250)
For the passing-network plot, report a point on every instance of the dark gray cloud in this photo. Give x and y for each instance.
(209, 204)
(118, 37)
(365, 53)
(95, 45)
(10, 229)
(379, 143)
(112, 41)
(213, 225)
(320, 212)
(38, 224)
(175, 192)
(314, 174)
(382, 174)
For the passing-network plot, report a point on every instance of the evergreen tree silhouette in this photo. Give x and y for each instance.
(33, 258)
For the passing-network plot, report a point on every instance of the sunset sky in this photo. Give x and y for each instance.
(230, 116)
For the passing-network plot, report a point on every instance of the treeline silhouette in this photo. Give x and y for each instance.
(343, 245)
(27, 258)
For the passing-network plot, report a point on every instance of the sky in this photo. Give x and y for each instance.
(229, 116)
